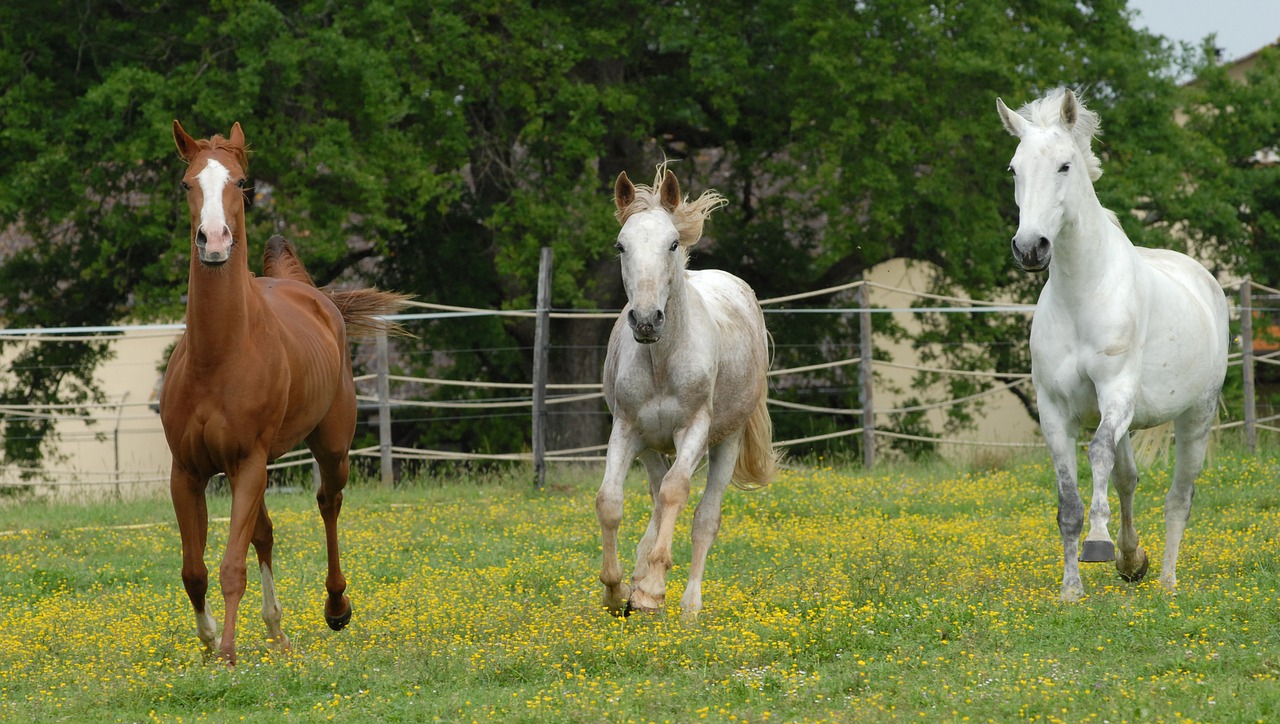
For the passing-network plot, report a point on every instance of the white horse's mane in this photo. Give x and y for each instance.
(687, 216)
(1046, 112)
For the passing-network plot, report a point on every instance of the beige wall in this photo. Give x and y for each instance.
(121, 451)
(1003, 419)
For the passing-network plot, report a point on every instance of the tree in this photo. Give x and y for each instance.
(434, 147)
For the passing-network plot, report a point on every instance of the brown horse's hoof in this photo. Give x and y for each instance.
(1098, 551)
(337, 623)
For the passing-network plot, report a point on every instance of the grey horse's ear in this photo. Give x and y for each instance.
(669, 193)
(624, 192)
(1013, 123)
(1070, 109)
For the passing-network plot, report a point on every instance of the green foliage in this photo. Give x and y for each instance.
(435, 146)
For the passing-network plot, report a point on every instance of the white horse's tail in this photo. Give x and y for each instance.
(757, 459)
(1151, 444)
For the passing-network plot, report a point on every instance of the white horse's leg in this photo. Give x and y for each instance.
(623, 446)
(1191, 441)
(656, 466)
(649, 590)
(706, 519)
(1062, 450)
(1131, 559)
(1098, 547)
(1117, 413)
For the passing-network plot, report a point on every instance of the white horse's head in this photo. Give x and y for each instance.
(1052, 169)
(658, 227)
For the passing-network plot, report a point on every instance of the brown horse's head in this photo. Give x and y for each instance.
(214, 183)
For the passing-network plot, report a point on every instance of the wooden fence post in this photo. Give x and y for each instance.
(865, 378)
(1246, 365)
(541, 335)
(387, 474)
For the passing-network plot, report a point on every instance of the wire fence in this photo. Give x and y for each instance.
(106, 421)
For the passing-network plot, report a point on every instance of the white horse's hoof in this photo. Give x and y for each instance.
(616, 600)
(1133, 570)
(1098, 551)
(642, 602)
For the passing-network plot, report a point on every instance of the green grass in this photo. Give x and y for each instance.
(925, 593)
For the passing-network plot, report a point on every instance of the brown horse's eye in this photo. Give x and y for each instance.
(186, 186)
(240, 183)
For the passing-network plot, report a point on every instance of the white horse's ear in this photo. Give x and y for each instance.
(624, 192)
(669, 193)
(1070, 109)
(1013, 123)
(187, 146)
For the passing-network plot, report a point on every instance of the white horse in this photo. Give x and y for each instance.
(685, 374)
(1123, 338)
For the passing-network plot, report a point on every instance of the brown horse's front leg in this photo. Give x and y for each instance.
(187, 493)
(248, 485)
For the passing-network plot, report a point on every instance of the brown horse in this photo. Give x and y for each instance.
(263, 366)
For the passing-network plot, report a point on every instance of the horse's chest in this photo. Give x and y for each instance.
(659, 405)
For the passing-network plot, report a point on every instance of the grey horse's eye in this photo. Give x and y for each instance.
(675, 245)
(1064, 168)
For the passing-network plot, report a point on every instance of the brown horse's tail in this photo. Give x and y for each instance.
(758, 459)
(362, 309)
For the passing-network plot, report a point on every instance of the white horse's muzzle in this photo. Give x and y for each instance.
(646, 327)
(1032, 256)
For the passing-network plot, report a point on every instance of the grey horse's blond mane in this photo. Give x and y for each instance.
(1046, 112)
(688, 216)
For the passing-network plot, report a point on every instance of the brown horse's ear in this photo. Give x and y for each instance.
(624, 192)
(237, 135)
(187, 146)
(669, 193)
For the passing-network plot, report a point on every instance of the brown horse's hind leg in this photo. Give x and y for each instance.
(263, 540)
(334, 468)
(187, 493)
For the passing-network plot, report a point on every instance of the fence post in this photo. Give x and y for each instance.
(541, 334)
(387, 473)
(1246, 366)
(865, 379)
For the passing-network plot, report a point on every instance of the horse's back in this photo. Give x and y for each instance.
(1187, 340)
(1186, 299)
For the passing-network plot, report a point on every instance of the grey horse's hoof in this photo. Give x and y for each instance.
(1138, 571)
(1098, 551)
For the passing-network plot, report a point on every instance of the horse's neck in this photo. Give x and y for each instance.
(220, 305)
(1090, 251)
(678, 314)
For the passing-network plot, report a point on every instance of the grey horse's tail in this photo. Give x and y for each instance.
(758, 459)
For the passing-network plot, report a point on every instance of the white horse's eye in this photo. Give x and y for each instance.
(619, 247)
(675, 245)
(1064, 168)
(1011, 171)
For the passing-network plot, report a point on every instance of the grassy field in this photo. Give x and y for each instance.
(921, 594)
